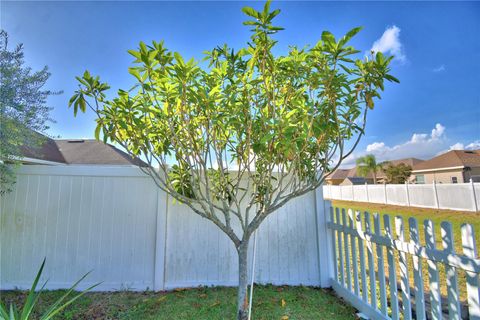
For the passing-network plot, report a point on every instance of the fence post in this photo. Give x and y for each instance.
(408, 193)
(366, 190)
(324, 238)
(385, 191)
(435, 193)
(160, 241)
(473, 284)
(474, 196)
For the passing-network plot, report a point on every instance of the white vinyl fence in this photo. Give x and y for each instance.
(117, 223)
(452, 196)
(367, 259)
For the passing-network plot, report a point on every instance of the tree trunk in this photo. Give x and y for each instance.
(242, 302)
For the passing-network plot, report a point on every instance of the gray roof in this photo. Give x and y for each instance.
(81, 151)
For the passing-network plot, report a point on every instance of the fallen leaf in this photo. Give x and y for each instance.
(283, 303)
(203, 295)
(215, 304)
(284, 318)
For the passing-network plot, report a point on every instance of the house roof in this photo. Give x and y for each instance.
(454, 158)
(355, 180)
(81, 151)
(338, 174)
(407, 161)
(353, 172)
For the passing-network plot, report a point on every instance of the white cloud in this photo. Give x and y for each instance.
(420, 145)
(440, 68)
(390, 43)
(457, 146)
(438, 131)
(474, 145)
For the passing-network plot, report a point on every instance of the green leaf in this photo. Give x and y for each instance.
(82, 103)
(249, 11)
(350, 34)
(328, 38)
(178, 58)
(97, 131)
(72, 99)
(391, 78)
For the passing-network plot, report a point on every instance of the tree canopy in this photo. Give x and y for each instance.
(399, 173)
(368, 164)
(24, 111)
(237, 136)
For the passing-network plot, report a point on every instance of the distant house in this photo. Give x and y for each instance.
(337, 176)
(77, 152)
(351, 176)
(456, 166)
(412, 162)
(348, 181)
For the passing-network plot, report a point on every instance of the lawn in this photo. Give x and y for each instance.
(456, 218)
(270, 302)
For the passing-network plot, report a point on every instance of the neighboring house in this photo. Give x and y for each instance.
(351, 176)
(412, 162)
(456, 166)
(78, 152)
(348, 181)
(337, 176)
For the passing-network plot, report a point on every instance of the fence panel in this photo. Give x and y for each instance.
(455, 196)
(80, 221)
(396, 194)
(116, 222)
(376, 193)
(400, 250)
(360, 193)
(451, 196)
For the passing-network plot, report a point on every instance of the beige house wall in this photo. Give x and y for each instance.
(443, 176)
(334, 182)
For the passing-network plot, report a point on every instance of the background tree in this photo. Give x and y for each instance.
(23, 108)
(238, 137)
(368, 164)
(399, 173)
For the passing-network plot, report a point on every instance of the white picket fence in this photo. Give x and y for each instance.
(358, 266)
(452, 196)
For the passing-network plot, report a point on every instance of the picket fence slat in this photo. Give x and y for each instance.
(334, 247)
(454, 311)
(473, 285)
(381, 266)
(403, 263)
(340, 250)
(361, 252)
(392, 272)
(433, 274)
(347, 254)
(371, 264)
(353, 242)
(417, 273)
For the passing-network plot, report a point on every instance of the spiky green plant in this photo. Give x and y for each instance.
(26, 313)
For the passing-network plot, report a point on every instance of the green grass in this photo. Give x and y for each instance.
(456, 218)
(270, 302)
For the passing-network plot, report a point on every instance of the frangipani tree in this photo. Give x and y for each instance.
(238, 136)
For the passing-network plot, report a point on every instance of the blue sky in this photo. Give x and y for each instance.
(436, 106)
